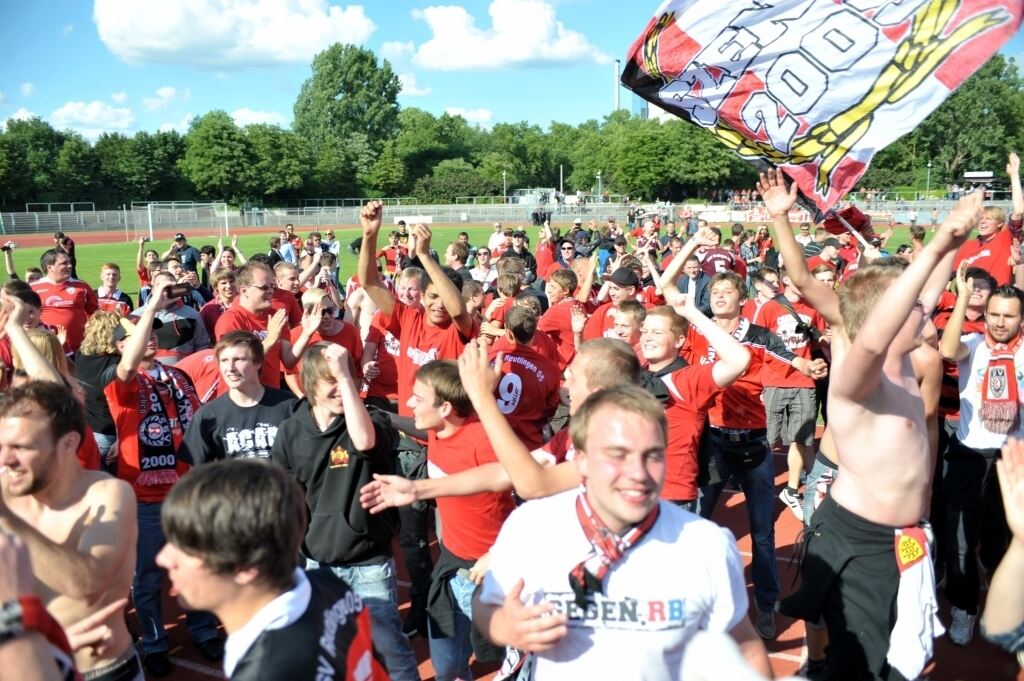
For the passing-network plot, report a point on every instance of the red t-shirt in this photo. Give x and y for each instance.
(557, 323)
(347, 337)
(204, 373)
(560, 447)
(527, 393)
(67, 304)
(237, 318)
(88, 453)
(390, 255)
(692, 390)
(286, 300)
(388, 350)
(602, 323)
(739, 405)
(993, 255)
(817, 260)
(545, 257)
(124, 399)
(210, 313)
(109, 303)
(144, 278)
(471, 523)
(778, 320)
(420, 343)
(499, 312)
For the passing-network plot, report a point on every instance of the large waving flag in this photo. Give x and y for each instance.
(815, 87)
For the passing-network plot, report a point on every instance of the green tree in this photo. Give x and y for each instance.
(342, 167)
(216, 157)
(75, 169)
(451, 179)
(387, 177)
(38, 143)
(15, 175)
(278, 162)
(349, 92)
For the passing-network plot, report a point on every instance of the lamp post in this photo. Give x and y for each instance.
(928, 180)
(504, 187)
(600, 195)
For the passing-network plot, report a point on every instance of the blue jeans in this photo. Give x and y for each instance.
(377, 585)
(758, 486)
(147, 585)
(450, 656)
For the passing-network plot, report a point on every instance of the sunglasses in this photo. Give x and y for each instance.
(266, 288)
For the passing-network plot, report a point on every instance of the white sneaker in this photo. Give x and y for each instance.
(961, 631)
(793, 502)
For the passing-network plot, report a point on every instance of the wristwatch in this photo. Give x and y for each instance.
(12, 624)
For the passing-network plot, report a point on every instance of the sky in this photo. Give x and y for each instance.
(125, 65)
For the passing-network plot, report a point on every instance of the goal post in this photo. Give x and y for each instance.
(161, 219)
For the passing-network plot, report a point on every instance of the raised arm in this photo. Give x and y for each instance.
(451, 297)
(8, 247)
(290, 353)
(357, 418)
(667, 280)
(778, 201)
(135, 347)
(1016, 195)
(36, 366)
(950, 345)
(239, 256)
(861, 372)
(733, 358)
(370, 219)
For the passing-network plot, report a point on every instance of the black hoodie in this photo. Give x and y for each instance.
(332, 471)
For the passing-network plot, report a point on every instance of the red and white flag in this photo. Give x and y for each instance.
(815, 87)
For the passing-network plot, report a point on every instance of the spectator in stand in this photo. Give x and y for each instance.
(186, 253)
(108, 296)
(224, 292)
(67, 302)
(65, 244)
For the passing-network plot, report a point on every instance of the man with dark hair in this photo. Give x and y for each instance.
(233, 531)
(989, 366)
(714, 258)
(184, 251)
(243, 423)
(67, 302)
(333, 446)
(250, 311)
(79, 526)
(606, 547)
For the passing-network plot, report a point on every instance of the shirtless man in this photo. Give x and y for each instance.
(850, 575)
(78, 525)
(822, 297)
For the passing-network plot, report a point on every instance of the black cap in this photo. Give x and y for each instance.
(126, 327)
(179, 237)
(620, 240)
(519, 233)
(625, 277)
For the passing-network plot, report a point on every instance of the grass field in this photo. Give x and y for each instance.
(91, 257)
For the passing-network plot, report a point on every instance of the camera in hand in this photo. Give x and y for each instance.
(178, 290)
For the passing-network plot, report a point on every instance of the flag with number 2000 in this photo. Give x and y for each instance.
(815, 87)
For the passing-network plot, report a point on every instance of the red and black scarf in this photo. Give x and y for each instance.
(166, 406)
(1000, 404)
(607, 549)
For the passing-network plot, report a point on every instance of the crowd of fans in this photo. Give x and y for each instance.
(561, 410)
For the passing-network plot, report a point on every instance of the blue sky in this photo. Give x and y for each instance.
(130, 65)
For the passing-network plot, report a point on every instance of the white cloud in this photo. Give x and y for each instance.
(482, 116)
(180, 126)
(409, 86)
(246, 116)
(67, 29)
(226, 34)
(522, 33)
(93, 118)
(120, 97)
(165, 96)
(397, 52)
(27, 89)
(21, 114)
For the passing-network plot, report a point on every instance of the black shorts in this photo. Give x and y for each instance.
(849, 577)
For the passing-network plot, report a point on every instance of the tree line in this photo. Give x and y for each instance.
(350, 138)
